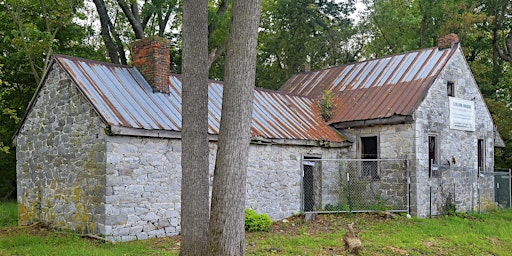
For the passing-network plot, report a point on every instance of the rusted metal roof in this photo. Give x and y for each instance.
(382, 88)
(123, 98)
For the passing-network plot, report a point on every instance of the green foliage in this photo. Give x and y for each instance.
(296, 35)
(256, 222)
(8, 214)
(327, 105)
(32, 31)
(449, 206)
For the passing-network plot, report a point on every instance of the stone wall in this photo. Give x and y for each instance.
(61, 159)
(143, 187)
(457, 149)
(395, 142)
(72, 175)
(274, 177)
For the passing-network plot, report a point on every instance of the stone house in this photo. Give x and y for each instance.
(424, 106)
(98, 150)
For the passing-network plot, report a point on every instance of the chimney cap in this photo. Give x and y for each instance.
(150, 39)
(447, 41)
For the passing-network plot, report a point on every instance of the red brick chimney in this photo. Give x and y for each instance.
(447, 41)
(151, 56)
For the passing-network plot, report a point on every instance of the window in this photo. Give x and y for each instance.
(369, 163)
(450, 89)
(481, 156)
(433, 170)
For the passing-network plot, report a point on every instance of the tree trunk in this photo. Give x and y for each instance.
(226, 234)
(194, 157)
(105, 31)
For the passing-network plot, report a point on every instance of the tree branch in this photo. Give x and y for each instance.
(133, 18)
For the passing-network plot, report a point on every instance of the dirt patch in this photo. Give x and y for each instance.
(36, 229)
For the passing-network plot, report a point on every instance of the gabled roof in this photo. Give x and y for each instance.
(123, 98)
(388, 88)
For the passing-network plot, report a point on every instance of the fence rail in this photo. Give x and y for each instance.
(355, 185)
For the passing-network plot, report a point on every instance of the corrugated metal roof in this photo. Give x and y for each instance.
(123, 98)
(379, 88)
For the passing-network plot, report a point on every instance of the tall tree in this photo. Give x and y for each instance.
(32, 31)
(396, 26)
(226, 234)
(297, 35)
(144, 18)
(499, 23)
(194, 157)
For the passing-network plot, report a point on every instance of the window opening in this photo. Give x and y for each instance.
(432, 157)
(369, 153)
(481, 156)
(450, 89)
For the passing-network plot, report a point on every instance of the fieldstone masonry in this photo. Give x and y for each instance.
(457, 148)
(73, 175)
(61, 159)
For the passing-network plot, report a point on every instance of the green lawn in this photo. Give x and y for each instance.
(484, 234)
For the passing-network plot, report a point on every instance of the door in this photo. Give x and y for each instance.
(308, 180)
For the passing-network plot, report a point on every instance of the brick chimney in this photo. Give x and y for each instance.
(447, 41)
(151, 56)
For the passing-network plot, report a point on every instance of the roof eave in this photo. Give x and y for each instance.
(395, 119)
(127, 131)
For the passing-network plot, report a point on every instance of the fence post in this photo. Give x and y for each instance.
(349, 198)
(509, 188)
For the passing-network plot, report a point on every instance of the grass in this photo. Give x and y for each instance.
(468, 234)
(8, 214)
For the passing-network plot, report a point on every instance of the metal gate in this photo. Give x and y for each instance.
(502, 189)
(355, 185)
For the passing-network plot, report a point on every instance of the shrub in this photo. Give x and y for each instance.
(255, 221)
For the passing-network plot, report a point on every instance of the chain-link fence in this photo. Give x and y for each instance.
(502, 188)
(355, 185)
(463, 188)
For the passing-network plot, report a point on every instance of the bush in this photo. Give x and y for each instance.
(255, 221)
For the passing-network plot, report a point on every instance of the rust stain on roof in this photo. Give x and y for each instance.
(122, 97)
(374, 89)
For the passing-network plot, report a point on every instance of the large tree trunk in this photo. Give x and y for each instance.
(194, 158)
(226, 234)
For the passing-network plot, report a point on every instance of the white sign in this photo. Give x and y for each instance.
(462, 114)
